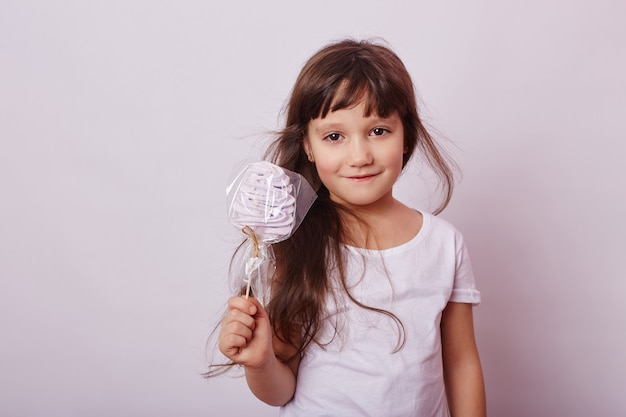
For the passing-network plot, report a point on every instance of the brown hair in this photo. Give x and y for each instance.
(338, 76)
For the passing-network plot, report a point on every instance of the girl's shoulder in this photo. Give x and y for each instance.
(436, 227)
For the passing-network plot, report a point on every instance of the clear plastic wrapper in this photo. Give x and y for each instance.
(267, 203)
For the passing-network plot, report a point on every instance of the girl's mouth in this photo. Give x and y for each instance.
(359, 178)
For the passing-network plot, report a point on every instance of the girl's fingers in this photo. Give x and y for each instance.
(237, 327)
(238, 316)
(240, 303)
(232, 343)
(233, 338)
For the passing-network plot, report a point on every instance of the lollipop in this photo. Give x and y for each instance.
(267, 203)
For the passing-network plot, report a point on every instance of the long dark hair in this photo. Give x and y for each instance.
(338, 76)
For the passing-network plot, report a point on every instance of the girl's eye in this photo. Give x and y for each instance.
(379, 131)
(333, 137)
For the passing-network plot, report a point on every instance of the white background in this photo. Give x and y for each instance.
(121, 121)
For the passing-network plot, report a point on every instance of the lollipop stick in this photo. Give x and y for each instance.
(248, 286)
(247, 230)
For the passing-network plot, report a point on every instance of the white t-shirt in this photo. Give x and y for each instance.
(357, 372)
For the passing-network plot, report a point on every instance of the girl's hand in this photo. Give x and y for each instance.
(246, 335)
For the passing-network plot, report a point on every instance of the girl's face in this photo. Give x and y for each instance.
(357, 158)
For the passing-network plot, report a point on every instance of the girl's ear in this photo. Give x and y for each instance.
(307, 150)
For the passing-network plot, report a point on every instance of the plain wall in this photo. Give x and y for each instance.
(121, 122)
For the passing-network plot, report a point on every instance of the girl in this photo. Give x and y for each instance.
(371, 305)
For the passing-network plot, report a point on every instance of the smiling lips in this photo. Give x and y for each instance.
(362, 177)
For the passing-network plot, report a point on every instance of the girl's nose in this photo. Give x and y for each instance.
(359, 152)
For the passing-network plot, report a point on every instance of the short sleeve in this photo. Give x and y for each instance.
(464, 289)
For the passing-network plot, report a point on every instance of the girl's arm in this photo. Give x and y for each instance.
(461, 363)
(246, 338)
(274, 384)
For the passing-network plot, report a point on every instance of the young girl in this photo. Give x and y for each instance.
(371, 304)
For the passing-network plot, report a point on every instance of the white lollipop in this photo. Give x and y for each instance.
(267, 203)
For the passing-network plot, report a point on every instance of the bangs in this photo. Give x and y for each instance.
(349, 94)
(346, 75)
(381, 95)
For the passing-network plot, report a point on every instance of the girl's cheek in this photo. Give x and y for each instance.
(324, 168)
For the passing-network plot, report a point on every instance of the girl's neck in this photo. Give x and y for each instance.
(383, 228)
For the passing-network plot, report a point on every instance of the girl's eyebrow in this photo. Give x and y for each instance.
(328, 126)
(325, 127)
(391, 120)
